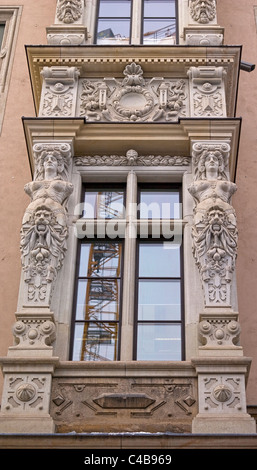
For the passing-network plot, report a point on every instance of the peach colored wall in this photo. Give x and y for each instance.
(14, 167)
(237, 16)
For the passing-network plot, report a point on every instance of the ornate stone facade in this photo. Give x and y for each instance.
(44, 227)
(214, 231)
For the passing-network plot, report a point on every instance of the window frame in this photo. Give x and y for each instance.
(139, 9)
(150, 239)
(120, 17)
(82, 241)
(159, 17)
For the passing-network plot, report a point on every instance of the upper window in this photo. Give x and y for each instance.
(2, 28)
(118, 21)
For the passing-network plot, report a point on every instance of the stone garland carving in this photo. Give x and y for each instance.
(44, 227)
(203, 11)
(131, 159)
(133, 99)
(214, 231)
(69, 11)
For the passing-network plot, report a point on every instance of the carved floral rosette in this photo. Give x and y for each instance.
(214, 230)
(44, 229)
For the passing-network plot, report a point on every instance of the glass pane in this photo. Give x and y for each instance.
(159, 31)
(155, 260)
(98, 299)
(95, 342)
(113, 31)
(159, 205)
(159, 8)
(2, 26)
(159, 300)
(103, 204)
(159, 342)
(115, 8)
(100, 259)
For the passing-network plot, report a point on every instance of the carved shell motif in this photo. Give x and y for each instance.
(222, 393)
(25, 392)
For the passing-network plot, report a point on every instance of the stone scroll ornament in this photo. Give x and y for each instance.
(203, 11)
(44, 227)
(214, 230)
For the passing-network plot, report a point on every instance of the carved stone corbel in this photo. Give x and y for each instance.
(207, 92)
(59, 91)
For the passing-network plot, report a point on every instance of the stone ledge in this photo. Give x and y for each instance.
(128, 441)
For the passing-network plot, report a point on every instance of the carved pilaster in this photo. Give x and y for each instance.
(69, 26)
(59, 91)
(202, 26)
(214, 230)
(44, 229)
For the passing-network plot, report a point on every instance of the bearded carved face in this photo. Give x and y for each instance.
(203, 11)
(69, 11)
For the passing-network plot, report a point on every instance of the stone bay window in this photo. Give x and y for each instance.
(127, 316)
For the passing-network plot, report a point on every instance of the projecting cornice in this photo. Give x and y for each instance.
(156, 61)
(100, 138)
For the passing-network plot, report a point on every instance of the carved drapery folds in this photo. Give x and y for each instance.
(214, 231)
(44, 227)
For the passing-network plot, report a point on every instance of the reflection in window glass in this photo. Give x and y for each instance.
(155, 260)
(159, 24)
(114, 22)
(159, 309)
(97, 302)
(103, 204)
(159, 342)
(159, 300)
(95, 342)
(159, 204)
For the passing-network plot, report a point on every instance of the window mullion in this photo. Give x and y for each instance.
(128, 302)
(136, 23)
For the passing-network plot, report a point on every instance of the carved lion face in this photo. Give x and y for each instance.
(69, 11)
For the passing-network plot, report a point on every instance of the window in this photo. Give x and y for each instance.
(9, 23)
(98, 284)
(159, 21)
(158, 324)
(2, 28)
(142, 264)
(114, 21)
(136, 22)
